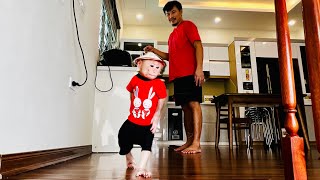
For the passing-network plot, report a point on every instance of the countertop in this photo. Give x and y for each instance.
(204, 103)
(116, 68)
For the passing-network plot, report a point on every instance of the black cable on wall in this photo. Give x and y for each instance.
(74, 83)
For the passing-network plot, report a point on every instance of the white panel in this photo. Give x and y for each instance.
(111, 108)
(296, 49)
(206, 66)
(164, 48)
(266, 49)
(218, 68)
(218, 53)
(166, 70)
(206, 54)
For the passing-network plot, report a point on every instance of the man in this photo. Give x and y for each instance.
(186, 71)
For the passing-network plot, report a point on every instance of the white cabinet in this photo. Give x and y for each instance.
(215, 59)
(246, 66)
(218, 61)
(219, 68)
(218, 53)
(206, 64)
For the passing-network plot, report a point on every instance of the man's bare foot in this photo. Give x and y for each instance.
(187, 144)
(144, 173)
(193, 149)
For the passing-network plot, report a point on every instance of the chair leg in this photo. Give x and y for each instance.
(228, 133)
(218, 136)
(217, 133)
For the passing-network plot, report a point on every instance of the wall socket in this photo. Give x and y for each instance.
(70, 82)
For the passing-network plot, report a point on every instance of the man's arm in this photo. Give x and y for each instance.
(163, 55)
(199, 76)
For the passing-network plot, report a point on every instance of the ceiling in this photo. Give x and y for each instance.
(236, 5)
(235, 14)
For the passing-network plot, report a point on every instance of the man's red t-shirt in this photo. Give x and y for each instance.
(144, 101)
(182, 56)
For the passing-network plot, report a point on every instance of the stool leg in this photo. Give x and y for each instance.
(250, 137)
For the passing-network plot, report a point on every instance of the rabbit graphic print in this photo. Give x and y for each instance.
(136, 103)
(144, 99)
(147, 104)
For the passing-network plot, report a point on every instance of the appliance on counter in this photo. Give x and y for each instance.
(175, 124)
(116, 57)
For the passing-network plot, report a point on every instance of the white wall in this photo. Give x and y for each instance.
(224, 36)
(38, 52)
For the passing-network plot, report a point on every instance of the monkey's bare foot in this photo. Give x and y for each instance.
(144, 173)
(131, 165)
(130, 161)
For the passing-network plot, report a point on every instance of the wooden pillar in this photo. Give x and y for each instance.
(292, 144)
(311, 20)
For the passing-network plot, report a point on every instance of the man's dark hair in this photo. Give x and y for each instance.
(170, 6)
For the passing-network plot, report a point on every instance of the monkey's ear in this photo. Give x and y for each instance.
(139, 64)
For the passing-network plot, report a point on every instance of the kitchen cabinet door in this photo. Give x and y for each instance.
(218, 53)
(219, 68)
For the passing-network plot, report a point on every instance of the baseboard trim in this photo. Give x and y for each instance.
(13, 164)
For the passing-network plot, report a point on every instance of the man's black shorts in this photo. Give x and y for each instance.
(130, 134)
(185, 90)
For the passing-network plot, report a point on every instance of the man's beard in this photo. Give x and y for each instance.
(174, 25)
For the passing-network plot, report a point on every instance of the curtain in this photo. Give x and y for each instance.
(109, 25)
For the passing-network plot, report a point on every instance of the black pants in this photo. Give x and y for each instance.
(130, 134)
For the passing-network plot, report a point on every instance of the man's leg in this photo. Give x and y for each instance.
(197, 127)
(188, 126)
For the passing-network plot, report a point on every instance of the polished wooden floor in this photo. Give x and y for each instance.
(166, 164)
